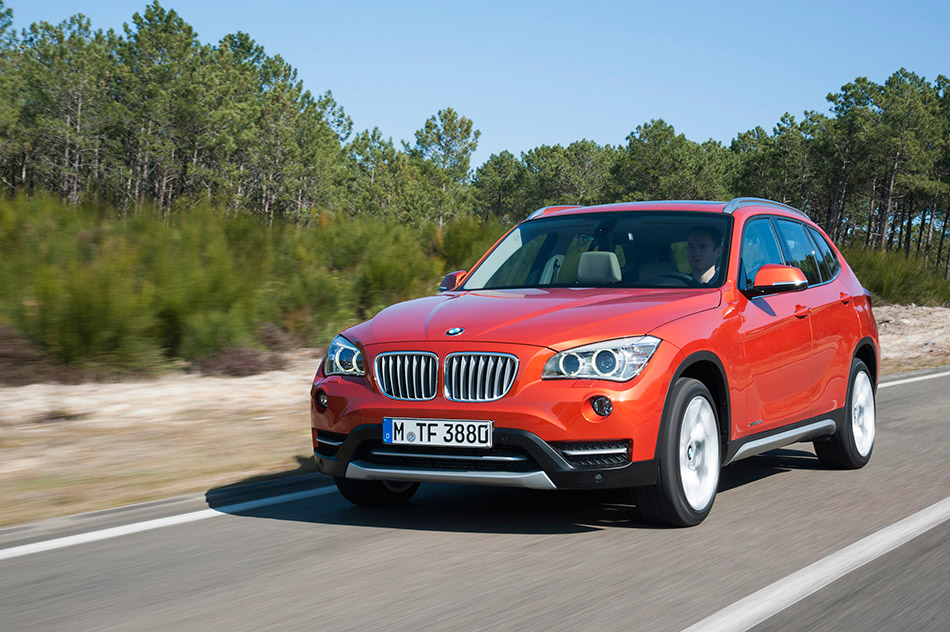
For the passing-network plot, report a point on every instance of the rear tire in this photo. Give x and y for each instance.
(850, 447)
(376, 493)
(689, 459)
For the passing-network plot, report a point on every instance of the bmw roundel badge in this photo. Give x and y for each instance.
(454, 331)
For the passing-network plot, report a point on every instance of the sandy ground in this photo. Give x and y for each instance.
(913, 337)
(72, 448)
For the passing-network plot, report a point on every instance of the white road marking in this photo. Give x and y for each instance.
(136, 527)
(760, 605)
(914, 379)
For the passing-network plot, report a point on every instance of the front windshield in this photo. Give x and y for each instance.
(616, 249)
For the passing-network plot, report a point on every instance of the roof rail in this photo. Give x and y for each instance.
(736, 203)
(550, 209)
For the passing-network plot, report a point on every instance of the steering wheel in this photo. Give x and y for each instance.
(688, 281)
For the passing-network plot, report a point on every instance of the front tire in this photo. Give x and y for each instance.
(376, 493)
(689, 455)
(850, 447)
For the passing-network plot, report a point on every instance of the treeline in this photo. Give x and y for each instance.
(152, 116)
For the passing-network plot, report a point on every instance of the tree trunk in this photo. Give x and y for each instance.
(76, 161)
(898, 231)
(64, 187)
(26, 158)
(889, 202)
(838, 195)
(802, 192)
(785, 179)
(910, 226)
(943, 234)
(867, 236)
(920, 236)
(930, 228)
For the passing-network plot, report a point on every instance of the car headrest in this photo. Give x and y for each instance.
(598, 267)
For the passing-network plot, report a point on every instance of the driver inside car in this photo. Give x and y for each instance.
(703, 249)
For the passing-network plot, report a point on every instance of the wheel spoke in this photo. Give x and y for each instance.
(862, 413)
(699, 453)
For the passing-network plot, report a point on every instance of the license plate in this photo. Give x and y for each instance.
(437, 432)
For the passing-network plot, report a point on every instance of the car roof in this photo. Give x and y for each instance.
(666, 205)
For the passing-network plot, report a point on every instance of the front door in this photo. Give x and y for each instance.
(776, 338)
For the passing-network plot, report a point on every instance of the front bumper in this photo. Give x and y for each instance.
(518, 458)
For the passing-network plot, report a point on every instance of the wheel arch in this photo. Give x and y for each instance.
(866, 351)
(706, 367)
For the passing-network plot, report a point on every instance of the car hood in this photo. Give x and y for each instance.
(559, 318)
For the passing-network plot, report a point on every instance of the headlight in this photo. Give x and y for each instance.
(617, 360)
(343, 358)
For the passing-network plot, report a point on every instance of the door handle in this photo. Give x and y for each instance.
(801, 311)
(845, 298)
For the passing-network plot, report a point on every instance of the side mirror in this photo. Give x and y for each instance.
(451, 280)
(772, 279)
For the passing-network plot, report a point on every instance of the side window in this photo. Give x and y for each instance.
(827, 260)
(799, 248)
(759, 247)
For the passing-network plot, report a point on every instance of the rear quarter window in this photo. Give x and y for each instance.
(827, 261)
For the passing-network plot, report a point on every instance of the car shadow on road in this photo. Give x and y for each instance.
(477, 509)
(765, 465)
(453, 508)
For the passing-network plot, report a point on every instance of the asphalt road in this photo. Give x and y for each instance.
(468, 558)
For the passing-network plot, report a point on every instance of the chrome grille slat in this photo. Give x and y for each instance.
(381, 381)
(470, 377)
(414, 381)
(399, 384)
(480, 379)
(499, 367)
(479, 376)
(392, 375)
(410, 375)
(490, 377)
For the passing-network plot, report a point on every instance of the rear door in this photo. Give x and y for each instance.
(834, 322)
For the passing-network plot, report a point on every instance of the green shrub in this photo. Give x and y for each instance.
(207, 332)
(90, 312)
(465, 240)
(93, 288)
(395, 268)
(898, 279)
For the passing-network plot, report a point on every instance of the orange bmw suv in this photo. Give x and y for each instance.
(639, 346)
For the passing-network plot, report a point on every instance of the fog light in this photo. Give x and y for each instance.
(601, 405)
(323, 400)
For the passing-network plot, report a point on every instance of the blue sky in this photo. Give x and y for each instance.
(546, 72)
